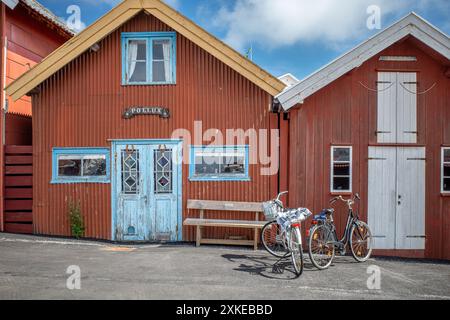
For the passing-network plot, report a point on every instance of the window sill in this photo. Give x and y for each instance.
(80, 181)
(343, 193)
(445, 194)
(193, 179)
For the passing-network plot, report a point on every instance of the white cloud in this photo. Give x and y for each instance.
(286, 22)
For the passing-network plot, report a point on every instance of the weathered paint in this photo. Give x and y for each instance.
(82, 105)
(151, 215)
(345, 113)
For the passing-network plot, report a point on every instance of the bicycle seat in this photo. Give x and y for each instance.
(324, 214)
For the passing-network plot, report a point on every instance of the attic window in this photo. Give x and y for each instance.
(148, 58)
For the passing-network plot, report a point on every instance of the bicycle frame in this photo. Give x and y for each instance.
(352, 220)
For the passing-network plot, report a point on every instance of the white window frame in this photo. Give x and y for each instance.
(332, 162)
(442, 170)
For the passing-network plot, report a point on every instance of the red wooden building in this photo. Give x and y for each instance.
(106, 106)
(29, 32)
(377, 121)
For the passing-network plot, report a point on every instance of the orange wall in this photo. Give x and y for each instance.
(29, 41)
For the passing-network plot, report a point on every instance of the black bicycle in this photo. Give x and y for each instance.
(323, 240)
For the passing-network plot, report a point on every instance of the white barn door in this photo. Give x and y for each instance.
(406, 107)
(382, 193)
(411, 198)
(397, 107)
(396, 207)
(387, 107)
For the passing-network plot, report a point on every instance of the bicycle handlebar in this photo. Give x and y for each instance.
(278, 201)
(349, 202)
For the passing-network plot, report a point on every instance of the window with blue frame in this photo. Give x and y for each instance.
(148, 58)
(81, 165)
(219, 163)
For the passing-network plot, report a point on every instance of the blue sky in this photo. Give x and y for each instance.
(297, 36)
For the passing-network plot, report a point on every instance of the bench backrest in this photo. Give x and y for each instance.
(225, 206)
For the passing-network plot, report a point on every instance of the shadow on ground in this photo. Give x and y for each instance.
(266, 266)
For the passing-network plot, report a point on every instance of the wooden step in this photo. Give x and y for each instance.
(18, 181)
(18, 205)
(19, 228)
(18, 193)
(18, 149)
(14, 170)
(14, 160)
(18, 217)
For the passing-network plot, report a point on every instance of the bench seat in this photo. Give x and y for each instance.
(224, 223)
(220, 206)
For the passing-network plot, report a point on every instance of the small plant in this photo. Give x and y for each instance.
(76, 220)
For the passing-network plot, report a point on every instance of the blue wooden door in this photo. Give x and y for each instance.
(164, 192)
(132, 192)
(147, 192)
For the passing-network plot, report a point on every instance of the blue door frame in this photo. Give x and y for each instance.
(152, 145)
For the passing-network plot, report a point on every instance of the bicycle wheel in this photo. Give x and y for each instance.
(296, 251)
(273, 240)
(321, 247)
(361, 242)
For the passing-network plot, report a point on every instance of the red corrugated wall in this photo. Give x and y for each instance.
(345, 113)
(82, 106)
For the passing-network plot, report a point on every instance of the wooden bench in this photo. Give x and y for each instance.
(217, 206)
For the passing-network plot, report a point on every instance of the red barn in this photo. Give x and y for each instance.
(29, 33)
(107, 108)
(377, 121)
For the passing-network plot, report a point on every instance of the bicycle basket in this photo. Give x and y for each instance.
(270, 210)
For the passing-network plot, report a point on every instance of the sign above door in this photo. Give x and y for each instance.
(146, 111)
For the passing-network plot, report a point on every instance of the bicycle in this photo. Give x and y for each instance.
(323, 240)
(281, 236)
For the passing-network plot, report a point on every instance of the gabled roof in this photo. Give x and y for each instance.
(48, 15)
(411, 25)
(116, 18)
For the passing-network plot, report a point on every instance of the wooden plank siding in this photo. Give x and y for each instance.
(18, 195)
(345, 113)
(82, 106)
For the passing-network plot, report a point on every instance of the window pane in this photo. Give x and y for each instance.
(130, 171)
(341, 184)
(138, 71)
(158, 52)
(162, 56)
(233, 165)
(163, 171)
(137, 50)
(207, 165)
(447, 184)
(341, 169)
(447, 155)
(159, 71)
(447, 170)
(94, 166)
(341, 154)
(69, 166)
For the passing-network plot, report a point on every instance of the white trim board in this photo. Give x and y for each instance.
(412, 25)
